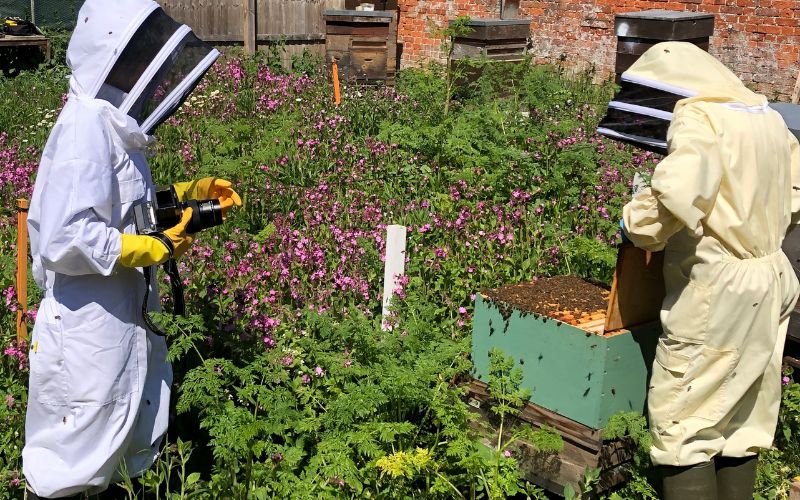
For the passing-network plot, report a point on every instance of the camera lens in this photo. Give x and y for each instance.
(205, 214)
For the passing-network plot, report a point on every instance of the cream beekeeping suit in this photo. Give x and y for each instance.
(720, 205)
(99, 380)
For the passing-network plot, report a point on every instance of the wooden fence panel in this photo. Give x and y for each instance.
(298, 22)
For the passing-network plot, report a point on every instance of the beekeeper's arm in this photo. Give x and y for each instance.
(684, 186)
(794, 148)
(74, 239)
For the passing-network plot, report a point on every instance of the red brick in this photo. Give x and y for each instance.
(747, 32)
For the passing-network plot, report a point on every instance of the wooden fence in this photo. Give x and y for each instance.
(298, 23)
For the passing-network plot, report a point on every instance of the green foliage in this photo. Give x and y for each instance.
(591, 477)
(633, 426)
(306, 63)
(497, 466)
(285, 383)
(780, 465)
(504, 385)
(590, 258)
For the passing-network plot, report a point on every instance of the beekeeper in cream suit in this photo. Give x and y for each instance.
(719, 205)
(99, 380)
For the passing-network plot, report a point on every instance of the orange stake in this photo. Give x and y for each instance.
(336, 95)
(22, 270)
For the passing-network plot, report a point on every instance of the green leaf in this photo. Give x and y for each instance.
(192, 478)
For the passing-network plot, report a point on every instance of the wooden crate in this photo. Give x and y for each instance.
(589, 372)
(638, 31)
(363, 43)
(584, 447)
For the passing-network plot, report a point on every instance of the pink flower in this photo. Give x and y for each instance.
(319, 372)
(507, 453)
(287, 361)
(9, 400)
(305, 379)
(786, 380)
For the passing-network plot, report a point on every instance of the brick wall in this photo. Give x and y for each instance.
(758, 39)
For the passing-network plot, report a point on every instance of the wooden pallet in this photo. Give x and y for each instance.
(584, 447)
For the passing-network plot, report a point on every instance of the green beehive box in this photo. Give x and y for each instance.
(584, 376)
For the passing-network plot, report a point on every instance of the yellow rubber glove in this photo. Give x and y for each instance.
(207, 188)
(181, 240)
(142, 250)
(139, 250)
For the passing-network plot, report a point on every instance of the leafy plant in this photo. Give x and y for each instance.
(633, 426)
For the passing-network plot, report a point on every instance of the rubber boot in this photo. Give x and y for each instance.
(736, 477)
(695, 482)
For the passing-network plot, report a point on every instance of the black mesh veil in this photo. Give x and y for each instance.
(640, 115)
(181, 55)
(140, 51)
(178, 66)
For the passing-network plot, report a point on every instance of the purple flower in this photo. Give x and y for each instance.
(507, 453)
(305, 379)
(319, 372)
(786, 380)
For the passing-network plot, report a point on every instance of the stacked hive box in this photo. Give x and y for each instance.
(579, 373)
(638, 31)
(496, 39)
(364, 44)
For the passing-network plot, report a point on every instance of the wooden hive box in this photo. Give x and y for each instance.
(585, 372)
(497, 39)
(364, 44)
(638, 31)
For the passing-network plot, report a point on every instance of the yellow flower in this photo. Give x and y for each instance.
(404, 464)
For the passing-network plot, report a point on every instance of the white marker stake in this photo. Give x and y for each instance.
(395, 266)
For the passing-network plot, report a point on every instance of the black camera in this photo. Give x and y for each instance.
(166, 210)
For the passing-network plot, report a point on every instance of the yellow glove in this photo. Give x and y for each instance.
(143, 250)
(209, 187)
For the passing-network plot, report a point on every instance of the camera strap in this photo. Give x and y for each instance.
(179, 305)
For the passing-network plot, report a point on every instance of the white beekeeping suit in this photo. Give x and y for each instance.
(720, 205)
(100, 381)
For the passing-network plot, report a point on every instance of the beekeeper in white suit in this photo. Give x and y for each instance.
(719, 205)
(99, 380)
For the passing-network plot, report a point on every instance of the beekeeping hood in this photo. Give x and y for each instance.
(667, 76)
(131, 54)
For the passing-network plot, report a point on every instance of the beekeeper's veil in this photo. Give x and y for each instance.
(133, 55)
(667, 76)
